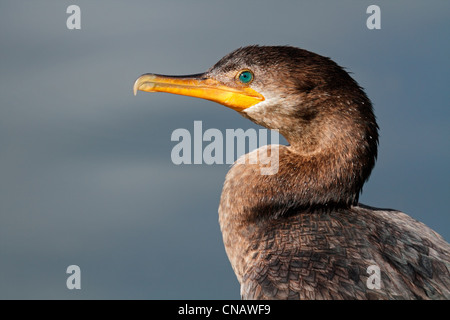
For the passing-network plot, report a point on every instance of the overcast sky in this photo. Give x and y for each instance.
(85, 167)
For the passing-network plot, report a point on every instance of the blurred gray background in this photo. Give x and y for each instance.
(86, 174)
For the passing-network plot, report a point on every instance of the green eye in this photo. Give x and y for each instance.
(246, 76)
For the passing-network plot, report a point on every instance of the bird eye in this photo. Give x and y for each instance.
(245, 76)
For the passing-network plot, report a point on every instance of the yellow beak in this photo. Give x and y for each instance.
(200, 87)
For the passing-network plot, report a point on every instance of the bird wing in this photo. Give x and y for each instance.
(326, 256)
(416, 260)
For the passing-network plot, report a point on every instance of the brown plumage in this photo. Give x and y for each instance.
(300, 233)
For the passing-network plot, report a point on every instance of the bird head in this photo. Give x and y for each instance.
(307, 97)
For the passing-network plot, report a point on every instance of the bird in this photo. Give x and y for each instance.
(300, 232)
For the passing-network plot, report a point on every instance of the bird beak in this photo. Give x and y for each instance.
(199, 86)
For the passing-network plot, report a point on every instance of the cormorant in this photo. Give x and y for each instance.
(300, 232)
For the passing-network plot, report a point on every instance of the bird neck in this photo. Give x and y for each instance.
(303, 181)
(332, 149)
